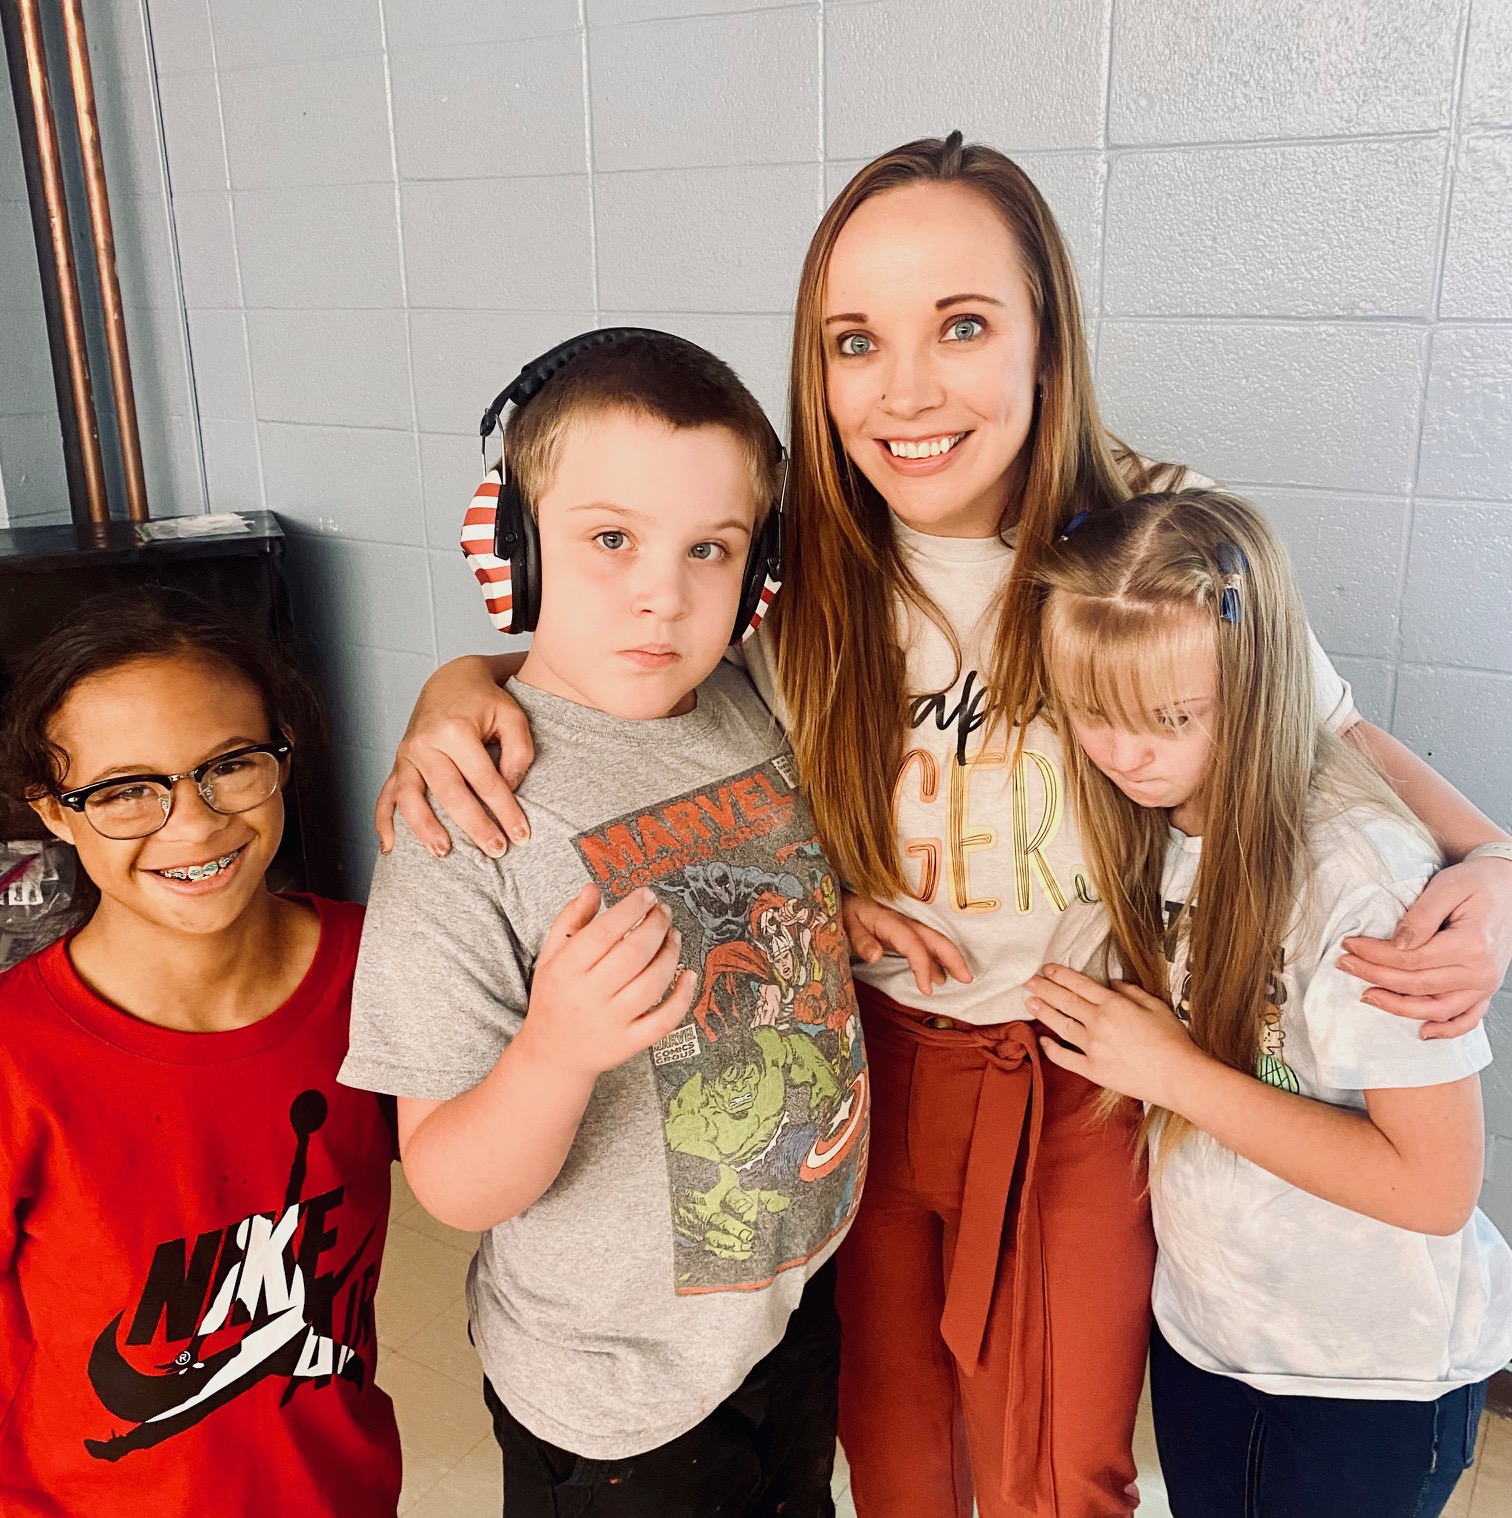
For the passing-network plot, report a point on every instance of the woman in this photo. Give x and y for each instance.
(945, 430)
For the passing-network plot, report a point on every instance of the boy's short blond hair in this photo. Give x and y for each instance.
(651, 375)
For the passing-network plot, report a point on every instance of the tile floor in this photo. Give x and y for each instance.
(451, 1464)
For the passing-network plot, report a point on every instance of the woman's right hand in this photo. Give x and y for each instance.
(460, 710)
(874, 930)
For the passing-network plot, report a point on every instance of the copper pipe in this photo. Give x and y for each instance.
(39, 137)
(98, 195)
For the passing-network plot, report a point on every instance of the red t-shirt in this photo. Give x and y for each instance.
(190, 1231)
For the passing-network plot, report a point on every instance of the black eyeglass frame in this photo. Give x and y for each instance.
(75, 799)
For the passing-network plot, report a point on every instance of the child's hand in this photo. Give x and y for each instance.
(875, 930)
(1121, 1037)
(607, 984)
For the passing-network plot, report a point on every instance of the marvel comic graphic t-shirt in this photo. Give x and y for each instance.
(710, 1176)
(190, 1236)
(1264, 1282)
(988, 843)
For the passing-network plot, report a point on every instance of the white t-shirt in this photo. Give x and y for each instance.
(1290, 1294)
(992, 856)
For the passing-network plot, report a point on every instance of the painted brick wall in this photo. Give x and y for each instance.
(1291, 222)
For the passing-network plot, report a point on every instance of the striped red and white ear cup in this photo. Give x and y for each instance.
(769, 590)
(494, 574)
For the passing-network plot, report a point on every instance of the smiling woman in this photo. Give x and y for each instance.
(923, 387)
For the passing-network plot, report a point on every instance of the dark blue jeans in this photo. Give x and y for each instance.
(1229, 1451)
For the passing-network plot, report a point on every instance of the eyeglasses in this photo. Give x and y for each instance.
(132, 806)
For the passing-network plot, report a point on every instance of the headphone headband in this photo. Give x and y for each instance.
(526, 385)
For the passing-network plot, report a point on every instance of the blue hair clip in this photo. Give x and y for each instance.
(1073, 524)
(1232, 565)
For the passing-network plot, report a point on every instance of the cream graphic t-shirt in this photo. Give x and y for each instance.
(991, 851)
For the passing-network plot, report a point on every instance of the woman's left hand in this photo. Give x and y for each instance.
(1120, 1036)
(1449, 954)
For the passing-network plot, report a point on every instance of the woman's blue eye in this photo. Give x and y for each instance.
(964, 328)
(855, 344)
(707, 551)
(612, 540)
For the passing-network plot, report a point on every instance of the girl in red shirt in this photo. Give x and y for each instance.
(192, 1211)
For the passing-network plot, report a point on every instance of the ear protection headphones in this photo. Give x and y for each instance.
(499, 536)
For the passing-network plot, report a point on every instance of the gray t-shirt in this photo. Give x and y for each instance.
(711, 1176)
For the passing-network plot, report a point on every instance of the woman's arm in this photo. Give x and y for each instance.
(461, 709)
(1456, 823)
(1450, 953)
(1413, 1159)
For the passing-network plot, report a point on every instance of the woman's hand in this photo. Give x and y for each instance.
(875, 930)
(1449, 954)
(1120, 1036)
(460, 710)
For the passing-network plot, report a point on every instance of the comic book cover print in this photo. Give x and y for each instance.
(1269, 1065)
(245, 1303)
(763, 1091)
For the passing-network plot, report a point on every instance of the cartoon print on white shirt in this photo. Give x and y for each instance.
(1270, 1066)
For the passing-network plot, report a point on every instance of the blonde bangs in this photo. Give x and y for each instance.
(1122, 663)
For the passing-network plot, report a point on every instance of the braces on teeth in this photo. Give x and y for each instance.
(201, 871)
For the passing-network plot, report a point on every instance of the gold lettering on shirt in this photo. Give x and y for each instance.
(963, 841)
(1027, 852)
(919, 776)
(926, 850)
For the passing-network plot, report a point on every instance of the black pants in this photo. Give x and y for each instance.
(1229, 1451)
(767, 1449)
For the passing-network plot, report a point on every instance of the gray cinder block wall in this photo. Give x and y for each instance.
(1292, 225)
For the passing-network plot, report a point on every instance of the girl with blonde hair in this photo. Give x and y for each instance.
(995, 1287)
(1328, 1302)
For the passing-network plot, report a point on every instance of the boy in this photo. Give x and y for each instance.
(656, 1111)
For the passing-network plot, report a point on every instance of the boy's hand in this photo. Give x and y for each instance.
(607, 984)
(875, 930)
(1120, 1036)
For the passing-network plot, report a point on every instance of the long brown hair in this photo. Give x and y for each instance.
(1130, 596)
(840, 667)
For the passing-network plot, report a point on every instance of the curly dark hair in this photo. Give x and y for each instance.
(119, 628)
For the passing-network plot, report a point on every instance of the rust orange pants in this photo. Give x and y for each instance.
(994, 1291)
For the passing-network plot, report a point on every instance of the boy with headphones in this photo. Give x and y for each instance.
(652, 1101)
